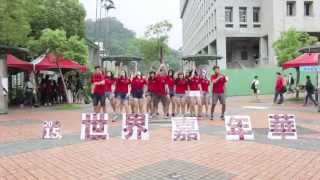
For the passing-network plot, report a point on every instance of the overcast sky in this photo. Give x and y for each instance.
(138, 14)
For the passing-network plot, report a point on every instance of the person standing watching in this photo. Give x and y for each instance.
(218, 91)
(98, 90)
(279, 89)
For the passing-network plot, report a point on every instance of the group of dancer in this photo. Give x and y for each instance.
(180, 94)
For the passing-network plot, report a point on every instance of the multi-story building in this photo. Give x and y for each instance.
(243, 31)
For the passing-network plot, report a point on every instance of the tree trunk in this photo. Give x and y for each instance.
(34, 80)
(63, 82)
(297, 82)
(3, 95)
(161, 55)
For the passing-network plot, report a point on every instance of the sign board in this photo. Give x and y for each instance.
(94, 126)
(310, 68)
(282, 126)
(4, 82)
(185, 129)
(51, 130)
(238, 128)
(135, 127)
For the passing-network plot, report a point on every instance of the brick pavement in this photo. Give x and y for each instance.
(24, 156)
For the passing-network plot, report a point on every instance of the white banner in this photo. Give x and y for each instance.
(282, 126)
(238, 128)
(135, 127)
(94, 126)
(185, 129)
(310, 68)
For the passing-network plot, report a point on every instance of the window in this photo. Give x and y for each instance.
(291, 8)
(243, 14)
(308, 8)
(256, 14)
(244, 55)
(228, 14)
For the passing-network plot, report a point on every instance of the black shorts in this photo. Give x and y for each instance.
(138, 94)
(171, 93)
(99, 98)
(121, 96)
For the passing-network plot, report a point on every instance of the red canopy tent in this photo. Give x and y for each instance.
(50, 61)
(16, 63)
(306, 59)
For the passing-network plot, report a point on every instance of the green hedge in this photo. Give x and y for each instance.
(240, 79)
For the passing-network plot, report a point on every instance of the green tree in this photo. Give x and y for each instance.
(148, 50)
(159, 31)
(288, 45)
(14, 22)
(76, 49)
(68, 15)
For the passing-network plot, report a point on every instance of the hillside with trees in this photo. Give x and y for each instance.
(123, 41)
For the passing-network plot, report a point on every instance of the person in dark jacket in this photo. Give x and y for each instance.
(310, 91)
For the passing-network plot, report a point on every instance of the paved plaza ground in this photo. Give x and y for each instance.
(23, 155)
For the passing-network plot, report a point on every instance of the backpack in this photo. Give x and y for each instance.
(253, 85)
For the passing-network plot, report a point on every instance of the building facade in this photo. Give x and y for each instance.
(243, 31)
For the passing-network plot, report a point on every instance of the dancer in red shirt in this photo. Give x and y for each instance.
(180, 89)
(162, 90)
(205, 83)
(122, 92)
(151, 89)
(194, 88)
(218, 91)
(98, 90)
(170, 82)
(109, 88)
(137, 92)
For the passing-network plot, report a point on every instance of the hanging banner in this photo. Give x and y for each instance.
(135, 127)
(185, 129)
(238, 128)
(310, 68)
(94, 126)
(51, 130)
(282, 126)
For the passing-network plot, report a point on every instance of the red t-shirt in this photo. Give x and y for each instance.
(279, 84)
(98, 77)
(137, 83)
(122, 85)
(181, 86)
(161, 85)
(194, 84)
(218, 87)
(108, 82)
(205, 84)
(152, 85)
(170, 82)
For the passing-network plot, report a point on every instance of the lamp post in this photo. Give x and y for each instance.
(109, 4)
